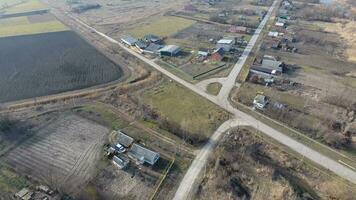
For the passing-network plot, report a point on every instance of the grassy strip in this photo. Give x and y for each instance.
(30, 5)
(29, 29)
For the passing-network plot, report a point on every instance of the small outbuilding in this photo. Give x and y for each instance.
(218, 54)
(203, 52)
(124, 139)
(260, 101)
(170, 50)
(128, 40)
(143, 155)
(121, 161)
(150, 38)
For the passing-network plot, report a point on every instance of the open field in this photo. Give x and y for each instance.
(248, 166)
(38, 69)
(29, 29)
(32, 24)
(165, 26)
(26, 6)
(62, 154)
(176, 104)
(10, 182)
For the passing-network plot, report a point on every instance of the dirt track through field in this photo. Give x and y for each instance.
(63, 154)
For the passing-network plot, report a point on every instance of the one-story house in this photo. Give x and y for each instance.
(128, 40)
(218, 54)
(141, 45)
(143, 155)
(153, 48)
(170, 50)
(225, 43)
(124, 139)
(269, 66)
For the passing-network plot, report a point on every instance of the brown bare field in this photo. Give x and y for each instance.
(62, 155)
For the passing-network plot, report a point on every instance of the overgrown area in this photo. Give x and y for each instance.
(245, 166)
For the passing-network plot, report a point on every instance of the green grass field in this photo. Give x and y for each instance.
(214, 88)
(28, 6)
(179, 105)
(24, 28)
(165, 26)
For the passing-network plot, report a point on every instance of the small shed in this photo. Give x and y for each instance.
(203, 52)
(260, 101)
(124, 139)
(143, 155)
(170, 50)
(279, 24)
(152, 38)
(121, 161)
(128, 40)
(218, 54)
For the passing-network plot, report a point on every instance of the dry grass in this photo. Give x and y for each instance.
(347, 32)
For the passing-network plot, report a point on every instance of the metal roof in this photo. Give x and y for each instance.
(143, 154)
(124, 139)
(129, 40)
(170, 48)
(225, 41)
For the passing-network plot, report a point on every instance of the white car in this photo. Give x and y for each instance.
(119, 148)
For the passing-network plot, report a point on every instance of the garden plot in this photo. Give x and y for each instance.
(62, 155)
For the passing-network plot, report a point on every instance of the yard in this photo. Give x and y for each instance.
(197, 116)
(164, 27)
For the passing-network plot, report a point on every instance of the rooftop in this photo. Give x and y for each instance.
(143, 154)
(124, 139)
(170, 48)
(225, 41)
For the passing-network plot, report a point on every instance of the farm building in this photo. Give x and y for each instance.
(218, 54)
(143, 155)
(128, 40)
(140, 44)
(120, 161)
(152, 38)
(124, 139)
(203, 52)
(238, 29)
(153, 49)
(225, 43)
(170, 50)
